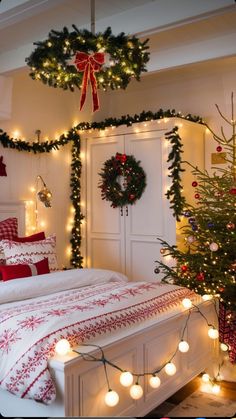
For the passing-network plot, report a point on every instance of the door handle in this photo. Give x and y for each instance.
(126, 211)
(121, 211)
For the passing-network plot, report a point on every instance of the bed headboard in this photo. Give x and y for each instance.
(14, 209)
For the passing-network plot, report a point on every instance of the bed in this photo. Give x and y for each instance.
(138, 325)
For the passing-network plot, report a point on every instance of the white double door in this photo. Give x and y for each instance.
(127, 242)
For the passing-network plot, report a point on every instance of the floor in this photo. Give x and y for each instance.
(225, 402)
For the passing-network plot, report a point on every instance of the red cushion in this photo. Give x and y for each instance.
(35, 237)
(8, 272)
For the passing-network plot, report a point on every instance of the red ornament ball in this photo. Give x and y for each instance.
(219, 148)
(131, 197)
(232, 191)
(194, 183)
(184, 268)
(200, 276)
(197, 196)
(230, 226)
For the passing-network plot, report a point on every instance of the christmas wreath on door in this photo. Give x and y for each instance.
(123, 180)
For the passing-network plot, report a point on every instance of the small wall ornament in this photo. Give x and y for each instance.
(3, 171)
(134, 180)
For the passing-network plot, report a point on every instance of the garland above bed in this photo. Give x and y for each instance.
(177, 201)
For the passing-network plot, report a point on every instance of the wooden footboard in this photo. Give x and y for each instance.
(81, 385)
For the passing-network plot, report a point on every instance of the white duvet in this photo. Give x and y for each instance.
(79, 305)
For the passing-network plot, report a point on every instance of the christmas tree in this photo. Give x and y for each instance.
(207, 264)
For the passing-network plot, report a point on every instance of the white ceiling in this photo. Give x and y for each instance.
(181, 31)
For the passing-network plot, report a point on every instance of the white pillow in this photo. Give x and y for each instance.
(31, 252)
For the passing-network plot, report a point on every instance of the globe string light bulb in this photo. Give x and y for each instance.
(215, 388)
(154, 381)
(213, 333)
(224, 347)
(62, 347)
(126, 378)
(111, 398)
(136, 391)
(207, 297)
(183, 346)
(170, 368)
(187, 303)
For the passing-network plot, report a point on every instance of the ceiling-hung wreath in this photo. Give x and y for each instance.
(71, 60)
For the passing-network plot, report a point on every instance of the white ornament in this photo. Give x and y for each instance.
(214, 247)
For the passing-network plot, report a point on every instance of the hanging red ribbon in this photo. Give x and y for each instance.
(89, 64)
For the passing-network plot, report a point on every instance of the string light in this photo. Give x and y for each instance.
(136, 391)
(126, 378)
(62, 347)
(154, 381)
(187, 303)
(213, 333)
(170, 368)
(183, 346)
(111, 398)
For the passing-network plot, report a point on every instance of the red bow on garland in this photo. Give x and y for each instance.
(89, 64)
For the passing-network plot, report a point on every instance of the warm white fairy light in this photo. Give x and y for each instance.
(126, 378)
(62, 347)
(187, 303)
(111, 398)
(136, 391)
(170, 368)
(205, 378)
(183, 346)
(213, 333)
(215, 389)
(154, 381)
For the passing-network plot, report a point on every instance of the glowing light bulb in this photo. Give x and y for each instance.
(126, 378)
(183, 346)
(154, 381)
(213, 333)
(111, 398)
(224, 347)
(62, 347)
(136, 391)
(205, 378)
(207, 297)
(215, 388)
(187, 303)
(170, 368)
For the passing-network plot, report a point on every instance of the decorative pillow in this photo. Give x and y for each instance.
(33, 252)
(8, 229)
(8, 272)
(33, 238)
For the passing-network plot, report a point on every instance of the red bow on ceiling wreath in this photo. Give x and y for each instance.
(89, 64)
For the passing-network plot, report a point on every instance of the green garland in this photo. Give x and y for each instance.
(134, 180)
(51, 61)
(73, 137)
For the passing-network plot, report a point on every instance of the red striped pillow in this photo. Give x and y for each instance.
(8, 272)
(8, 230)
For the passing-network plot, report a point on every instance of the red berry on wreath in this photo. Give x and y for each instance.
(197, 196)
(184, 268)
(232, 191)
(131, 197)
(219, 148)
(194, 183)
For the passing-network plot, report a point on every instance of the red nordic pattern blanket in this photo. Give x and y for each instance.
(29, 329)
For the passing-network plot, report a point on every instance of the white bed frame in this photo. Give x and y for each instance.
(81, 384)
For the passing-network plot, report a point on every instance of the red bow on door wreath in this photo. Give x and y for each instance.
(89, 64)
